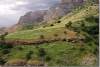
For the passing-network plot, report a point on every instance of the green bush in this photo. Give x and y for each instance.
(29, 54)
(68, 25)
(41, 36)
(56, 35)
(65, 32)
(42, 52)
(6, 51)
(52, 25)
(58, 21)
(2, 61)
(48, 58)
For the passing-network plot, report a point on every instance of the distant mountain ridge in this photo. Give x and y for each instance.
(54, 12)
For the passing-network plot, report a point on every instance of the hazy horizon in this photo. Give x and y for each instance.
(11, 10)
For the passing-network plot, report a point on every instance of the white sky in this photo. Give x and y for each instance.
(11, 10)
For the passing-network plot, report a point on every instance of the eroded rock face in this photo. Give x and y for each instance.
(61, 9)
(72, 1)
(54, 12)
(32, 17)
(2, 30)
(57, 11)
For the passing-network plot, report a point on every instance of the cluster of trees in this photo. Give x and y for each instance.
(5, 49)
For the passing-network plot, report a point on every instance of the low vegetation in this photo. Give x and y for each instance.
(76, 40)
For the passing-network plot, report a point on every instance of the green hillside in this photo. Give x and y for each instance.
(49, 31)
(77, 45)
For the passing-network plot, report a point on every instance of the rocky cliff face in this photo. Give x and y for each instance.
(32, 17)
(61, 9)
(2, 30)
(54, 12)
(58, 11)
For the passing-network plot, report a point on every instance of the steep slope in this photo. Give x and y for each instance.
(2, 30)
(73, 17)
(64, 7)
(33, 19)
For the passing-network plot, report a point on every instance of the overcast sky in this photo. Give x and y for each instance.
(11, 10)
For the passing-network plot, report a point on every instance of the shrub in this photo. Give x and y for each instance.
(44, 26)
(41, 36)
(6, 51)
(90, 19)
(69, 24)
(97, 19)
(42, 52)
(5, 46)
(2, 61)
(82, 49)
(58, 21)
(52, 25)
(83, 27)
(64, 39)
(56, 35)
(2, 37)
(82, 24)
(65, 32)
(48, 58)
(29, 54)
(19, 48)
(66, 25)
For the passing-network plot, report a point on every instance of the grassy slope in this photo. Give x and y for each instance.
(61, 53)
(57, 28)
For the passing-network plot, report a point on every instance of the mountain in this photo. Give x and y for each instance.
(2, 30)
(31, 19)
(61, 9)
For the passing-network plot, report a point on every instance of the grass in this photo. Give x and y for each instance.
(49, 31)
(60, 53)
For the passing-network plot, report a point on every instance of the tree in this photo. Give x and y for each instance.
(48, 58)
(28, 56)
(83, 27)
(68, 25)
(41, 36)
(6, 51)
(2, 61)
(56, 35)
(65, 32)
(52, 25)
(58, 21)
(3, 36)
(42, 54)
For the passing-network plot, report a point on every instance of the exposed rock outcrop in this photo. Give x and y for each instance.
(54, 12)
(32, 17)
